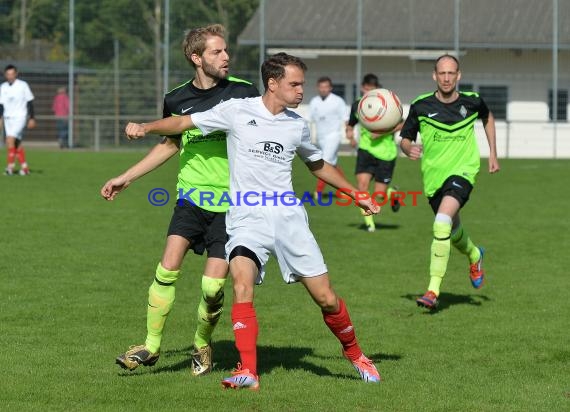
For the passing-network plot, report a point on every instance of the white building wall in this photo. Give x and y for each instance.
(526, 133)
(527, 74)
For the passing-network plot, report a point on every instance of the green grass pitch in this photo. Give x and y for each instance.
(74, 274)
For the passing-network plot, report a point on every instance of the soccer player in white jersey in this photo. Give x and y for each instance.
(263, 137)
(329, 114)
(17, 111)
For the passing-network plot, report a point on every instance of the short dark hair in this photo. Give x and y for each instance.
(274, 67)
(443, 56)
(324, 79)
(371, 79)
(10, 67)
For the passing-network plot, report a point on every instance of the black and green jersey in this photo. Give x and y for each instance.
(448, 137)
(203, 162)
(382, 147)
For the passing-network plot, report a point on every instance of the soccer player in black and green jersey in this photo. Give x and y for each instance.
(376, 156)
(450, 163)
(195, 224)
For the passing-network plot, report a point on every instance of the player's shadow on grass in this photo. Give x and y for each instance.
(269, 358)
(446, 300)
(379, 226)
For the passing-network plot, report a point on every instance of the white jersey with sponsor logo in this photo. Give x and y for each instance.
(329, 115)
(261, 146)
(15, 97)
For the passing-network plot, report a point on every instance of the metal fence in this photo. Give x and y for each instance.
(521, 94)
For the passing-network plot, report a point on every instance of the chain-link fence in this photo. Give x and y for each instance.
(514, 74)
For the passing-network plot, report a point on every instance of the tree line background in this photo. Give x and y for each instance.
(38, 29)
(119, 53)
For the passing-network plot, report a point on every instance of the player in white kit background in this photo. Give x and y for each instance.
(17, 113)
(329, 113)
(263, 136)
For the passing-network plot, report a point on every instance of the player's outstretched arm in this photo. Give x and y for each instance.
(156, 157)
(327, 172)
(413, 151)
(166, 127)
(490, 132)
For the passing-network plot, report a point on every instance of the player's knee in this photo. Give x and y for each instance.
(170, 264)
(363, 186)
(327, 300)
(165, 276)
(212, 289)
(442, 227)
(243, 292)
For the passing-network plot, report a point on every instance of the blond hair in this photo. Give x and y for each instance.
(195, 39)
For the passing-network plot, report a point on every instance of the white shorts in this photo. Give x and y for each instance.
(280, 230)
(329, 145)
(14, 126)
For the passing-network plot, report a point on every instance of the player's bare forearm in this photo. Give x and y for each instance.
(156, 157)
(167, 127)
(327, 172)
(330, 174)
(490, 132)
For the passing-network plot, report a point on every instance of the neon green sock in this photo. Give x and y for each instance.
(161, 296)
(440, 249)
(369, 221)
(209, 310)
(463, 243)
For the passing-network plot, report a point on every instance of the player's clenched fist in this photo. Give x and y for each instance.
(135, 131)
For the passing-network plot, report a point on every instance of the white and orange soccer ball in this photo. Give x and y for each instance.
(380, 110)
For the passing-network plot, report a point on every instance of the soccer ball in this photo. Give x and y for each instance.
(380, 110)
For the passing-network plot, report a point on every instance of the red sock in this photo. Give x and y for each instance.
(21, 156)
(339, 323)
(245, 331)
(320, 186)
(11, 155)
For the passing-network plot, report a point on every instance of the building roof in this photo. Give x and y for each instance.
(410, 24)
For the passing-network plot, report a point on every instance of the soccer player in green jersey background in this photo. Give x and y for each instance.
(203, 166)
(376, 156)
(450, 162)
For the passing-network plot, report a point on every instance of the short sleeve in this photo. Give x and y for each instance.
(342, 111)
(218, 118)
(28, 95)
(307, 151)
(483, 109)
(166, 112)
(411, 126)
(353, 118)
